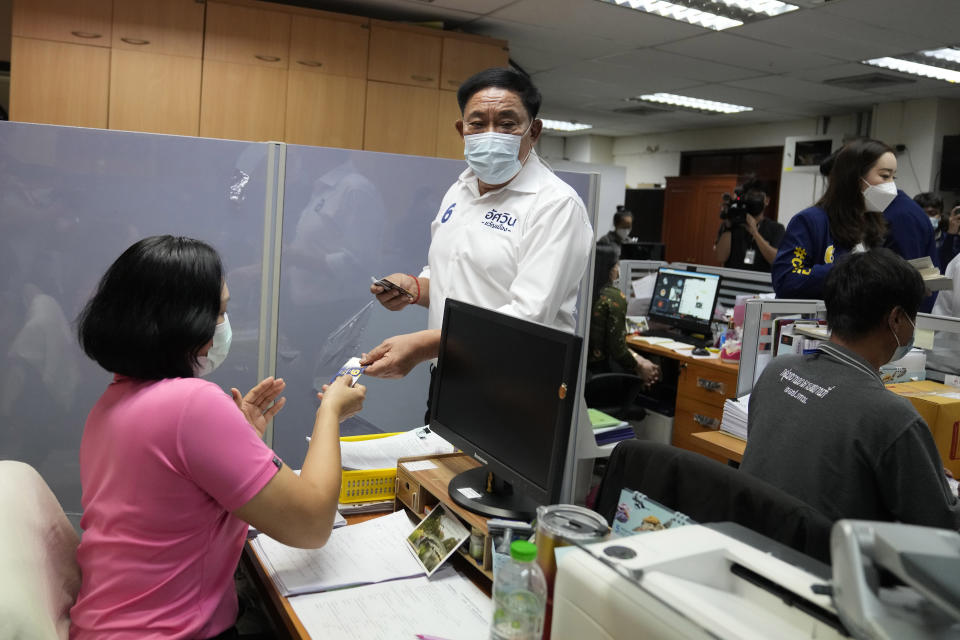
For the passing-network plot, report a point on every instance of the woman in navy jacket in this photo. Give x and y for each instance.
(860, 210)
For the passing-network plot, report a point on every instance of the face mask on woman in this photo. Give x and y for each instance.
(222, 336)
(878, 197)
(494, 157)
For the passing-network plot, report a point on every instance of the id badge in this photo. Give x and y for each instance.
(749, 256)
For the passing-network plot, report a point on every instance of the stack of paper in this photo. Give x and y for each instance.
(607, 429)
(365, 553)
(382, 453)
(734, 419)
(932, 277)
(354, 508)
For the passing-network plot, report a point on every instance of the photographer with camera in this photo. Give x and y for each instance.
(747, 239)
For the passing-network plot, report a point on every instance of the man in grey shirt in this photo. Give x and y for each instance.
(824, 428)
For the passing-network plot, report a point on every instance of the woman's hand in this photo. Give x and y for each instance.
(393, 299)
(342, 399)
(261, 403)
(647, 370)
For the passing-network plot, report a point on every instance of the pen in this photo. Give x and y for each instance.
(424, 636)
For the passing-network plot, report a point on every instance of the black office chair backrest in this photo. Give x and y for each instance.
(710, 491)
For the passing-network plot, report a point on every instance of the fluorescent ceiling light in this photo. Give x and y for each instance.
(693, 103)
(948, 54)
(562, 125)
(710, 14)
(916, 68)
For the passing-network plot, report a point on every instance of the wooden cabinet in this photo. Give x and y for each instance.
(325, 110)
(691, 216)
(464, 57)
(77, 21)
(329, 46)
(173, 27)
(72, 85)
(400, 119)
(246, 35)
(702, 389)
(449, 142)
(242, 101)
(404, 55)
(154, 92)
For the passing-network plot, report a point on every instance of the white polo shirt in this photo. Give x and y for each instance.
(519, 250)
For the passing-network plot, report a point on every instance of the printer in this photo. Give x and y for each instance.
(725, 581)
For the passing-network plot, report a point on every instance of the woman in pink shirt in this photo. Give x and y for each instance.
(172, 468)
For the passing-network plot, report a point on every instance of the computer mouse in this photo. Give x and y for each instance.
(700, 351)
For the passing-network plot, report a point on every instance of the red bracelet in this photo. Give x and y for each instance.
(417, 280)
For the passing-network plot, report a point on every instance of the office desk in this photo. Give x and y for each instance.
(703, 384)
(722, 444)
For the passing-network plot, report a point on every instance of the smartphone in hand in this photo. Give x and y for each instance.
(386, 284)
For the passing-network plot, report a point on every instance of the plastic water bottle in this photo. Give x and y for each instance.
(519, 596)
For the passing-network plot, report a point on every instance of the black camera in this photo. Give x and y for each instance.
(735, 208)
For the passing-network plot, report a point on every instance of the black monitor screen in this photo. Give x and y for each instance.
(810, 153)
(504, 394)
(685, 299)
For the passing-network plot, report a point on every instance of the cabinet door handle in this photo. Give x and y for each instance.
(267, 58)
(310, 63)
(421, 78)
(711, 385)
(87, 35)
(455, 83)
(135, 41)
(706, 421)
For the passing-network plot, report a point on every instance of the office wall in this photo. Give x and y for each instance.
(912, 123)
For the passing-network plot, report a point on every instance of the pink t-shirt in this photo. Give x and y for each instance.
(162, 465)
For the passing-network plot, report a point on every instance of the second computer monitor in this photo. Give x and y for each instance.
(685, 299)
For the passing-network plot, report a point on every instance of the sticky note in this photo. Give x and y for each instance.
(923, 338)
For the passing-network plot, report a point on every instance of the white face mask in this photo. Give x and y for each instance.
(623, 233)
(878, 197)
(222, 336)
(935, 221)
(494, 157)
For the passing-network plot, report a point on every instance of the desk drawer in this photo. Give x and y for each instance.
(692, 417)
(706, 384)
(409, 491)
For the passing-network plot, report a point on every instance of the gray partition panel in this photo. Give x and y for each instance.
(71, 200)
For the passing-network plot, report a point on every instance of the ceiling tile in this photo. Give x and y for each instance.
(683, 66)
(937, 21)
(794, 88)
(747, 53)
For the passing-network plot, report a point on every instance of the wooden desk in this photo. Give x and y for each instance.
(703, 385)
(722, 444)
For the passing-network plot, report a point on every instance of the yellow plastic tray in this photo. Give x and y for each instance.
(368, 485)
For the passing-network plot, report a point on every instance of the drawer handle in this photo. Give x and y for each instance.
(421, 78)
(135, 41)
(260, 56)
(310, 63)
(711, 385)
(87, 35)
(706, 421)
(456, 83)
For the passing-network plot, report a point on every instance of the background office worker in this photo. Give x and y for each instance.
(509, 234)
(824, 428)
(173, 469)
(946, 229)
(751, 244)
(622, 224)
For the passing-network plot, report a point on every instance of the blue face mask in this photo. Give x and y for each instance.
(902, 349)
(493, 157)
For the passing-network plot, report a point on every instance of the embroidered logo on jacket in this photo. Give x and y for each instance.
(500, 221)
(799, 258)
(446, 214)
(828, 255)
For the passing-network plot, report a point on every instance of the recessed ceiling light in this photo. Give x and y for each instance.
(948, 54)
(695, 104)
(563, 125)
(710, 14)
(915, 68)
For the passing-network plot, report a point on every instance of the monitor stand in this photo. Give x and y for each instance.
(493, 497)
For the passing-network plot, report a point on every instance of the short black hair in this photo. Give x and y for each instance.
(929, 199)
(501, 78)
(604, 260)
(621, 214)
(154, 309)
(862, 289)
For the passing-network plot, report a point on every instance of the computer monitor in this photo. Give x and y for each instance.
(685, 300)
(504, 394)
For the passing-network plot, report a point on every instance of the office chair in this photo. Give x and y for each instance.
(39, 574)
(710, 491)
(615, 394)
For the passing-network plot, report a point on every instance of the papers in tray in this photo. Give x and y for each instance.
(372, 551)
(353, 508)
(447, 605)
(382, 453)
(734, 419)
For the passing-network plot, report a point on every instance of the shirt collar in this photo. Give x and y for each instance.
(525, 181)
(849, 358)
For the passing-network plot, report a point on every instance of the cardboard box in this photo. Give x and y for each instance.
(939, 406)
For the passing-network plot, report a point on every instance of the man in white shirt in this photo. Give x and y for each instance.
(509, 235)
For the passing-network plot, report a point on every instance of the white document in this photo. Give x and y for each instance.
(372, 551)
(445, 606)
(382, 453)
(735, 413)
(643, 287)
(419, 465)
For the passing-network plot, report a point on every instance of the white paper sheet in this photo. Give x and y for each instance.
(419, 465)
(382, 453)
(372, 551)
(445, 606)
